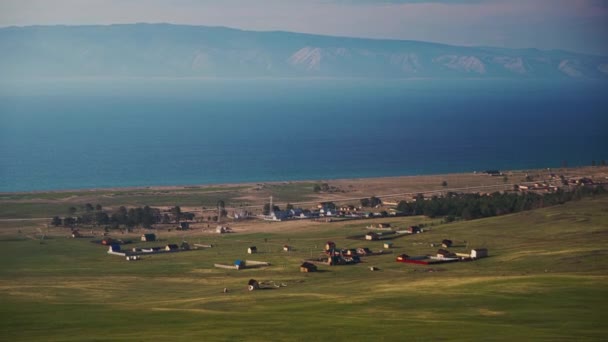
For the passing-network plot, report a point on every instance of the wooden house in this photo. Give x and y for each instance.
(402, 257)
(479, 253)
(308, 267)
(286, 248)
(253, 285)
(252, 250)
(148, 237)
(364, 251)
(371, 236)
(388, 245)
(171, 247)
(351, 252)
(413, 229)
(444, 253)
(446, 243)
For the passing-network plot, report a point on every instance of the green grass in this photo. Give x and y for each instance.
(545, 280)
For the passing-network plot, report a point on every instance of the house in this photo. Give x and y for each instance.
(76, 233)
(286, 248)
(350, 252)
(108, 241)
(221, 230)
(380, 226)
(413, 229)
(114, 248)
(443, 253)
(446, 243)
(392, 203)
(479, 253)
(148, 237)
(184, 245)
(279, 215)
(184, 225)
(296, 212)
(371, 236)
(388, 245)
(402, 257)
(239, 264)
(308, 267)
(253, 285)
(330, 245)
(252, 250)
(171, 247)
(364, 251)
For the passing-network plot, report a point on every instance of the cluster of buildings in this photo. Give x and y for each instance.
(443, 255)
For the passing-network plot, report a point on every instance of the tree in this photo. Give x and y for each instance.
(444, 183)
(177, 213)
(88, 207)
(364, 202)
(98, 207)
(374, 201)
(56, 221)
(101, 218)
(266, 209)
(289, 206)
(69, 222)
(72, 210)
(316, 188)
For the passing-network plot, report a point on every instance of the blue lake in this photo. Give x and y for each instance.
(92, 134)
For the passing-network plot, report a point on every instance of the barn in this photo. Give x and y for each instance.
(252, 250)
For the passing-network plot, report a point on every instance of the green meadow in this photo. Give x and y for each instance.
(546, 279)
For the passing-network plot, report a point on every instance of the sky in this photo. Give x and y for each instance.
(574, 25)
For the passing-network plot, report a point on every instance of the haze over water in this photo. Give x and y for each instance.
(92, 134)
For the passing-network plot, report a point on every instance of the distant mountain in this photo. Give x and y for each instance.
(163, 50)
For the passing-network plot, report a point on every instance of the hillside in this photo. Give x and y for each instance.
(163, 50)
(544, 280)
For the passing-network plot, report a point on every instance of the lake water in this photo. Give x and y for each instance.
(92, 134)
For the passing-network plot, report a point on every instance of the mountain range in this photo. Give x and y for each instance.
(166, 50)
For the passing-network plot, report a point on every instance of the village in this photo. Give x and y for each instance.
(381, 235)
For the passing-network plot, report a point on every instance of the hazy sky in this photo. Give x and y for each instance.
(577, 25)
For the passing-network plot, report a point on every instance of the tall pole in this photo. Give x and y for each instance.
(271, 209)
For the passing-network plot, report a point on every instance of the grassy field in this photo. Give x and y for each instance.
(545, 280)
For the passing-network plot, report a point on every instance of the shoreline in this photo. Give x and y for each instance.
(227, 186)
